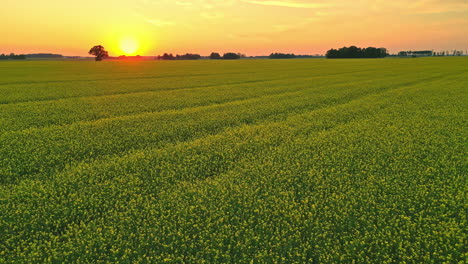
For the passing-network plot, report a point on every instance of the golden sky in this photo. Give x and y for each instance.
(254, 27)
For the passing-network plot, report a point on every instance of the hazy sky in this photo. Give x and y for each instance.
(254, 27)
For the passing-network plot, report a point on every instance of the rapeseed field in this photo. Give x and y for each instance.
(249, 161)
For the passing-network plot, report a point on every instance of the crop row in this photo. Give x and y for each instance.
(63, 111)
(80, 81)
(24, 151)
(377, 179)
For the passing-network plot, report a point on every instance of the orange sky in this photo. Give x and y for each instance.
(254, 27)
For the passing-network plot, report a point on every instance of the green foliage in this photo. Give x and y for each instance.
(250, 161)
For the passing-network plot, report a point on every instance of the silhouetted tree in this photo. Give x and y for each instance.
(12, 56)
(215, 56)
(231, 56)
(333, 53)
(355, 52)
(281, 56)
(44, 56)
(383, 52)
(19, 57)
(188, 56)
(99, 52)
(166, 56)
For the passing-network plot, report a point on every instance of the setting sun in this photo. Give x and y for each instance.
(129, 46)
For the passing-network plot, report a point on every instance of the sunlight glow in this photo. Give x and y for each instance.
(129, 46)
(259, 27)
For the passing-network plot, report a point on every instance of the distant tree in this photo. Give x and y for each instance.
(166, 56)
(332, 54)
(383, 52)
(281, 56)
(215, 56)
(231, 56)
(188, 56)
(355, 52)
(12, 56)
(99, 52)
(19, 57)
(44, 55)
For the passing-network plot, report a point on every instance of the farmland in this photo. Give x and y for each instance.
(250, 161)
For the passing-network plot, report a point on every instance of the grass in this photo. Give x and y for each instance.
(254, 161)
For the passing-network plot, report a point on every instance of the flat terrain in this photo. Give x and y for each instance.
(251, 161)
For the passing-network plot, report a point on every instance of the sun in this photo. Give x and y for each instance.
(129, 46)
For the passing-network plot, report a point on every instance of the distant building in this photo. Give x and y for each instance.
(421, 53)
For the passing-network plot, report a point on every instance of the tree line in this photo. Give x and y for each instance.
(291, 56)
(345, 52)
(12, 56)
(450, 53)
(226, 56)
(190, 56)
(282, 56)
(44, 56)
(430, 53)
(355, 52)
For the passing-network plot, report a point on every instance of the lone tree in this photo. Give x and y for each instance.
(215, 56)
(99, 52)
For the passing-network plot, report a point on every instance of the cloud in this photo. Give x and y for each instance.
(275, 30)
(284, 3)
(419, 7)
(438, 6)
